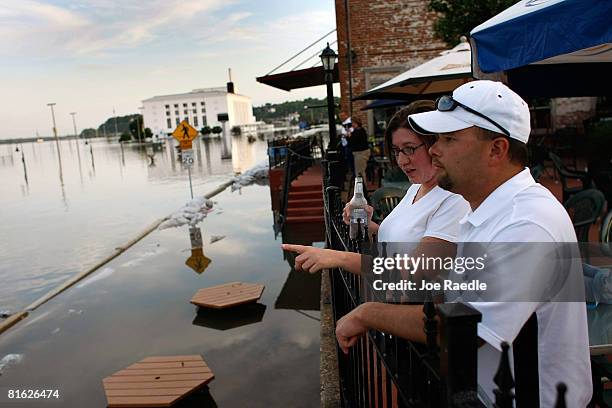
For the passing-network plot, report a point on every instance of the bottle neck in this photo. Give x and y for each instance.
(358, 190)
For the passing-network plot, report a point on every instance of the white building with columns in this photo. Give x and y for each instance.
(200, 107)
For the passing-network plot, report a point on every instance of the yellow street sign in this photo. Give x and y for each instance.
(185, 132)
(198, 261)
(185, 144)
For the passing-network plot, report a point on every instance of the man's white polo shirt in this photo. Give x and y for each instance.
(520, 210)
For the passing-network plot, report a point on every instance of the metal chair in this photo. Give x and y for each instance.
(384, 201)
(584, 209)
(566, 174)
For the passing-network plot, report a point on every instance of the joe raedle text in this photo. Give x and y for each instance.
(446, 285)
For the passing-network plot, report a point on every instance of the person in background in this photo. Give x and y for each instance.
(347, 127)
(358, 143)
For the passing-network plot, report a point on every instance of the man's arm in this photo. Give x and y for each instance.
(404, 321)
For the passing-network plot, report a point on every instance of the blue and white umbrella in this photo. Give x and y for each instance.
(548, 47)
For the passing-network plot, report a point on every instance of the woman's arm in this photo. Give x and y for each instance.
(312, 259)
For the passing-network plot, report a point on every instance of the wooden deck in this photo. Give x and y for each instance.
(157, 381)
(228, 295)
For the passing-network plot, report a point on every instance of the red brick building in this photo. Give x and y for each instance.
(386, 37)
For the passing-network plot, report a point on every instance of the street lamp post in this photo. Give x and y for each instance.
(59, 155)
(328, 58)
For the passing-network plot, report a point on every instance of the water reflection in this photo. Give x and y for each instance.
(197, 261)
(48, 236)
(231, 318)
(142, 309)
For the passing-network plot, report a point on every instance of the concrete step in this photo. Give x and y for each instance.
(311, 202)
(304, 219)
(304, 211)
(304, 195)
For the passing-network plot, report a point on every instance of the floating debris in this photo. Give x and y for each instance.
(191, 213)
(9, 360)
(216, 238)
(104, 273)
(257, 174)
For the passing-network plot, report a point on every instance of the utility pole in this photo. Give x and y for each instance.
(59, 155)
(76, 136)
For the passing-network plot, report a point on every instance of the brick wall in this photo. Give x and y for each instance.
(387, 37)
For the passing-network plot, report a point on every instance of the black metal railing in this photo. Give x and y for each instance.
(383, 370)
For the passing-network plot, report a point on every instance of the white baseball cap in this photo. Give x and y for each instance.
(487, 104)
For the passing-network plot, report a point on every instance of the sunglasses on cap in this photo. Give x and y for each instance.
(446, 103)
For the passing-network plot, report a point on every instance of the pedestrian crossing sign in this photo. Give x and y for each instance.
(184, 132)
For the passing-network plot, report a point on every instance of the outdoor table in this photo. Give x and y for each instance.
(600, 329)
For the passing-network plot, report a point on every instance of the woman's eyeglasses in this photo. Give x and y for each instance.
(408, 150)
(446, 103)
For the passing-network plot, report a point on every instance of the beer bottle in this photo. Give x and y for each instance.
(358, 213)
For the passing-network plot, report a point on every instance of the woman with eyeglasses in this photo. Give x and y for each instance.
(426, 215)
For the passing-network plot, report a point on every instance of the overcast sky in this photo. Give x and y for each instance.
(89, 56)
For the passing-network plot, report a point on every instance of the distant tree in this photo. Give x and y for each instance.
(135, 128)
(217, 129)
(315, 110)
(125, 137)
(123, 125)
(87, 133)
(459, 17)
(148, 134)
(236, 130)
(206, 130)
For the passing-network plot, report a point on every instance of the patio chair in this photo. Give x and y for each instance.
(584, 209)
(395, 177)
(536, 171)
(606, 229)
(384, 201)
(566, 174)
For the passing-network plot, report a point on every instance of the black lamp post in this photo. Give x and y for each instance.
(328, 58)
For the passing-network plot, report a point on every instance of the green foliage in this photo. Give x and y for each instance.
(206, 130)
(459, 17)
(87, 133)
(315, 113)
(148, 133)
(217, 129)
(123, 125)
(236, 130)
(125, 137)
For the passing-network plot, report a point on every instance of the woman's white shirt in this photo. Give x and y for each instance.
(436, 214)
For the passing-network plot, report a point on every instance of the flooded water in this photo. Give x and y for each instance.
(54, 224)
(137, 305)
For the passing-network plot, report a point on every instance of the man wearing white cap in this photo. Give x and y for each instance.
(481, 154)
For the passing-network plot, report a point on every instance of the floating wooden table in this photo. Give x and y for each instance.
(228, 295)
(157, 381)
